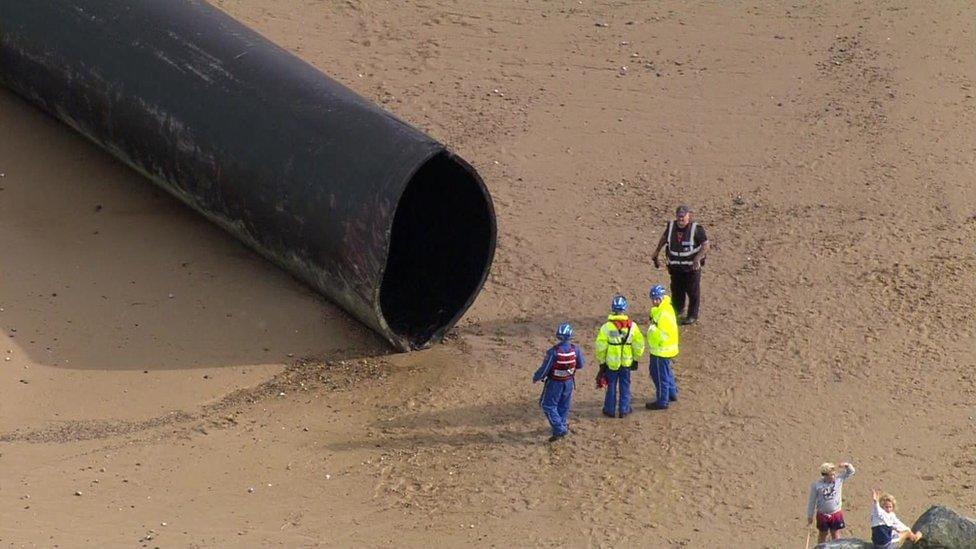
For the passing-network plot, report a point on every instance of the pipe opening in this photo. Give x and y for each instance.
(440, 250)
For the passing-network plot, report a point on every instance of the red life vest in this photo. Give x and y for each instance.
(565, 365)
(623, 326)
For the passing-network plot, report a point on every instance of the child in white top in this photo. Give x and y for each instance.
(887, 532)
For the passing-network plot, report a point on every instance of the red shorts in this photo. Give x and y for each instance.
(831, 522)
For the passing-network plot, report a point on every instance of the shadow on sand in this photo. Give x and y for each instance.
(100, 269)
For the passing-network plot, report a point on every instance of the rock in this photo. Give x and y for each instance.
(846, 543)
(943, 527)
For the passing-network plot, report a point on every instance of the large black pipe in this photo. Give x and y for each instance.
(381, 218)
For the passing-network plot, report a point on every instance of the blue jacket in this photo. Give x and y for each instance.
(550, 359)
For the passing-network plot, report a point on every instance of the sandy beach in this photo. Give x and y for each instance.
(164, 386)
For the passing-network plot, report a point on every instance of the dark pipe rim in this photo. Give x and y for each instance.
(405, 341)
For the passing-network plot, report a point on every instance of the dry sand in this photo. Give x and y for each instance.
(196, 396)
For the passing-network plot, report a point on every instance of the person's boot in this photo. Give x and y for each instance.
(554, 438)
(653, 405)
(688, 320)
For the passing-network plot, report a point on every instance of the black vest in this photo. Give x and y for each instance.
(682, 252)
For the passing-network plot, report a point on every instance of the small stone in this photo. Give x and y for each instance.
(250, 490)
(171, 296)
(602, 24)
(7, 358)
(78, 493)
(327, 477)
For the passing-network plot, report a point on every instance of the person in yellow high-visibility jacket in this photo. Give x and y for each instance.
(662, 342)
(619, 345)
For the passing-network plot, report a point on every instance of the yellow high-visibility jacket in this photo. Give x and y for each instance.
(662, 334)
(617, 345)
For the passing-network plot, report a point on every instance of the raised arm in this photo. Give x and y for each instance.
(849, 471)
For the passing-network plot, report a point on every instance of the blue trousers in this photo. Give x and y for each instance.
(663, 378)
(619, 383)
(557, 398)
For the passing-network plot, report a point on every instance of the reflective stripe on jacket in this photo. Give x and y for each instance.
(565, 366)
(619, 342)
(662, 334)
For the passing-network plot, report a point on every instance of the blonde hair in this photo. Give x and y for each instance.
(885, 498)
(827, 468)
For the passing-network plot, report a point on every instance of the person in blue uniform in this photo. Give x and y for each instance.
(558, 372)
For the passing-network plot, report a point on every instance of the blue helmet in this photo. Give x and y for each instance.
(619, 304)
(657, 291)
(564, 332)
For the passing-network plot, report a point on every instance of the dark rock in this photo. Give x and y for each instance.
(942, 527)
(846, 543)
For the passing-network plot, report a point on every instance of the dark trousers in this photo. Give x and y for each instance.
(686, 284)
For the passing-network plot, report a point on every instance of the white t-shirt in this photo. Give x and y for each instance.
(880, 517)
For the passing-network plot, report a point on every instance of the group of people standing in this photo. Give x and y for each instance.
(620, 344)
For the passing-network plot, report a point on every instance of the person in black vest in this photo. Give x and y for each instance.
(686, 244)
